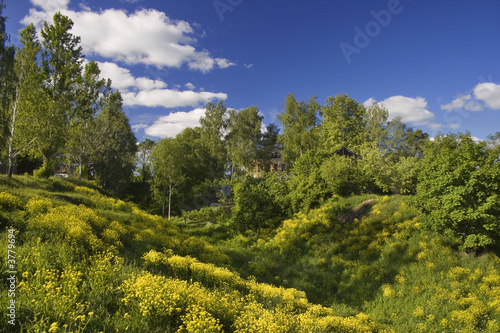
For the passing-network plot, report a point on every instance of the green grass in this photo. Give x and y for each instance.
(88, 262)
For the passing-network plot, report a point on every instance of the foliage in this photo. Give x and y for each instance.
(298, 120)
(84, 143)
(79, 279)
(307, 185)
(459, 190)
(344, 123)
(144, 151)
(213, 128)
(194, 160)
(244, 136)
(7, 78)
(259, 202)
(61, 111)
(113, 162)
(342, 175)
(168, 172)
(9, 201)
(203, 215)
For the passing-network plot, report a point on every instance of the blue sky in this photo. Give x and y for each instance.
(433, 63)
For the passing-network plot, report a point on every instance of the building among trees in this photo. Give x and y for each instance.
(273, 163)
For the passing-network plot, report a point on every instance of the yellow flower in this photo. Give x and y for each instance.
(54, 327)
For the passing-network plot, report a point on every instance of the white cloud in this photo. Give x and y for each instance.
(190, 86)
(369, 102)
(51, 6)
(463, 102)
(476, 139)
(457, 103)
(122, 79)
(142, 91)
(138, 127)
(146, 36)
(489, 93)
(224, 63)
(174, 123)
(413, 110)
(170, 98)
(248, 66)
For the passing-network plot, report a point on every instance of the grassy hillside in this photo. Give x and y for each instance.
(370, 254)
(87, 262)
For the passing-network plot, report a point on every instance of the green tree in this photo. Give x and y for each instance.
(213, 129)
(344, 123)
(459, 190)
(407, 171)
(400, 140)
(29, 118)
(62, 59)
(243, 139)
(90, 90)
(343, 175)
(167, 171)
(298, 122)
(144, 151)
(260, 202)
(194, 158)
(267, 143)
(7, 81)
(60, 70)
(378, 170)
(307, 185)
(376, 121)
(114, 156)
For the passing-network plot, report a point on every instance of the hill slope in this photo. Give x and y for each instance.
(87, 262)
(357, 255)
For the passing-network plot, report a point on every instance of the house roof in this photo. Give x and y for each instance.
(347, 152)
(61, 168)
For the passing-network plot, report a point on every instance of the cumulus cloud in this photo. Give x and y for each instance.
(143, 91)
(190, 86)
(170, 98)
(413, 110)
(138, 127)
(224, 63)
(122, 79)
(489, 93)
(147, 36)
(174, 123)
(457, 103)
(476, 139)
(369, 102)
(483, 95)
(464, 101)
(51, 6)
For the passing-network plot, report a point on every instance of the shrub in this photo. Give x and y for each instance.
(458, 190)
(10, 202)
(38, 206)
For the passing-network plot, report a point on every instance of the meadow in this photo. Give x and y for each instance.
(88, 262)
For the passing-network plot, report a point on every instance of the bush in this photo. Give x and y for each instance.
(10, 202)
(260, 202)
(459, 190)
